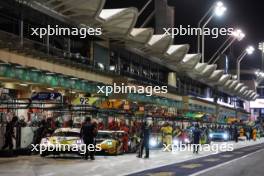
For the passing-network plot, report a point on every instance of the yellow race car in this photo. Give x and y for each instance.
(63, 140)
(110, 142)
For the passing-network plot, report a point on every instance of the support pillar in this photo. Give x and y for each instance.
(172, 79)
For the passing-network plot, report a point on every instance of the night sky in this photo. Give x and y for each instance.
(245, 14)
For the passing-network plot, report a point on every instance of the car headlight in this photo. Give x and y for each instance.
(210, 135)
(109, 142)
(186, 140)
(78, 142)
(175, 142)
(45, 141)
(225, 136)
(152, 142)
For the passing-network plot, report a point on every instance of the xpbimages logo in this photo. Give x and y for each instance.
(117, 89)
(213, 147)
(81, 148)
(190, 31)
(56, 30)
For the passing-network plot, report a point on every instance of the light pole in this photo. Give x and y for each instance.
(249, 50)
(212, 8)
(199, 26)
(218, 9)
(261, 48)
(236, 35)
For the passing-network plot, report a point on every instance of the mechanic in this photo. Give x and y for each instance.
(88, 134)
(39, 133)
(247, 132)
(9, 133)
(251, 133)
(125, 137)
(167, 133)
(101, 125)
(196, 138)
(254, 134)
(145, 133)
(242, 132)
(236, 134)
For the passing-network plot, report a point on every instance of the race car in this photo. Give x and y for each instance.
(110, 142)
(63, 140)
(219, 135)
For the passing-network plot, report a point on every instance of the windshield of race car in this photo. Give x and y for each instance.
(104, 135)
(67, 134)
(219, 131)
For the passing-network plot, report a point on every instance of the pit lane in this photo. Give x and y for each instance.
(69, 165)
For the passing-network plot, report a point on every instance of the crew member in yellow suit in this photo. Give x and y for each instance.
(167, 133)
(254, 134)
(242, 132)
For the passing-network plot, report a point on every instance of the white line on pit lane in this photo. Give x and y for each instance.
(48, 174)
(222, 164)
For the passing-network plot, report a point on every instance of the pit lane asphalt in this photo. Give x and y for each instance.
(249, 166)
(103, 165)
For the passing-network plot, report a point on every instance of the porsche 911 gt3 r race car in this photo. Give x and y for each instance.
(67, 140)
(219, 135)
(110, 142)
(63, 140)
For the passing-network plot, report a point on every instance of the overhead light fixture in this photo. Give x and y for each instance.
(250, 50)
(259, 73)
(49, 88)
(261, 47)
(73, 78)
(219, 9)
(35, 70)
(112, 68)
(100, 65)
(238, 34)
(23, 84)
(50, 73)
